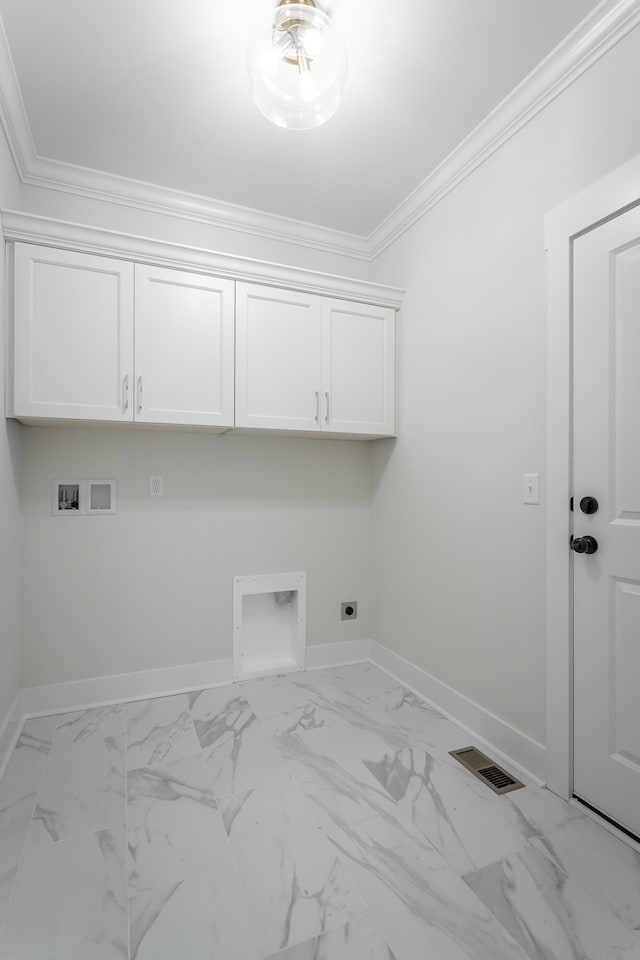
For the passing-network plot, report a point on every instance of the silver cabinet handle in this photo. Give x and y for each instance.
(125, 392)
(317, 406)
(139, 394)
(327, 414)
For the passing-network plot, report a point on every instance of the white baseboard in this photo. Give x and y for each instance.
(10, 731)
(337, 654)
(161, 682)
(164, 681)
(520, 752)
(502, 740)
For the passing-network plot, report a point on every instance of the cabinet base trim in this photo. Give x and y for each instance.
(33, 228)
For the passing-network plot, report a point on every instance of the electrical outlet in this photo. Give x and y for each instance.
(349, 610)
(156, 486)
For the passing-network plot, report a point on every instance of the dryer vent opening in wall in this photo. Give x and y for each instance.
(486, 770)
(269, 623)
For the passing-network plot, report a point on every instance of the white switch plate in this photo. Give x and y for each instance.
(531, 488)
(156, 486)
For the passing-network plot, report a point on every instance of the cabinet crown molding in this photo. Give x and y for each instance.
(29, 228)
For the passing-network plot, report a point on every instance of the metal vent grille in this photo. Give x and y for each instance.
(486, 770)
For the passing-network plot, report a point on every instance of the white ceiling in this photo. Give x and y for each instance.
(157, 90)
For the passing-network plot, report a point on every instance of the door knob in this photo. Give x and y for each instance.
(589, 505)
(584, 544)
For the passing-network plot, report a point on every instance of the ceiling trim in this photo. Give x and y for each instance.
(97, 185)
(609, 23)
(30, 228)
(82, 181)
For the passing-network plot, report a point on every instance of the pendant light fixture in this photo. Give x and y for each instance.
(297, 66)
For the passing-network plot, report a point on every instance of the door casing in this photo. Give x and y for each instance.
(602, 201)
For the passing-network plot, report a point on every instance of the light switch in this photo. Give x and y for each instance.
(531, 488)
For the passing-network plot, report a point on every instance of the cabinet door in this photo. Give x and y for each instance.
(358, 368)
(278, 354)
(73, 335)
(184, 348)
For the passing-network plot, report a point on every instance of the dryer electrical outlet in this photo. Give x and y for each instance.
(349, 610)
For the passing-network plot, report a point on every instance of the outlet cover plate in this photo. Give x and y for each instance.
(349, 610)
(156, 486)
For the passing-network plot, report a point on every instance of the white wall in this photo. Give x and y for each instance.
(151, 586)
(458, 559)
(9, 467)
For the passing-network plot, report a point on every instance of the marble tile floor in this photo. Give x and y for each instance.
(313, 816)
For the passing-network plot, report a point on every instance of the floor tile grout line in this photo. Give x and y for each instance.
(213, 868)
(69, 747)
(374, 699)
(228, 839)
(518, 854)
(13, 743)
(156, 763)
(23, 851)
(126, 830)
(75, 836)
(294, 783)
(526, 846)
(371, 699)
(63, 840)
(129, 893)
(17, 873)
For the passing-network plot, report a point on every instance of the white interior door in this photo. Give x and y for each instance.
(183, 348)
(607, 467)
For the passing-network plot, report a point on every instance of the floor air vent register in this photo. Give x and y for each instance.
(486, 770)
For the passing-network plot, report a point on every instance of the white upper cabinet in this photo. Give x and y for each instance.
(313, 364)
(172, 335)
(278, 358)
(73, 335)
(358, 368)
(183, 348)
(102, 339)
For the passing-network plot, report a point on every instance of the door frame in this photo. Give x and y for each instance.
(602, 201)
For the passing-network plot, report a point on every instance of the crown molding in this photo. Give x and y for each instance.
(98, 185)
(30, 228)
(13, 114)
(602, 29)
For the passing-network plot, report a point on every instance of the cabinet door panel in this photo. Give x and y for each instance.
(73, 335)
(359, 368)
(278, 355)
(184, 348)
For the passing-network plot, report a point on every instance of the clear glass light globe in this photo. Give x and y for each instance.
(297, 66)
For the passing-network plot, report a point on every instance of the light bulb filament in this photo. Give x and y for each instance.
(303, 62)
